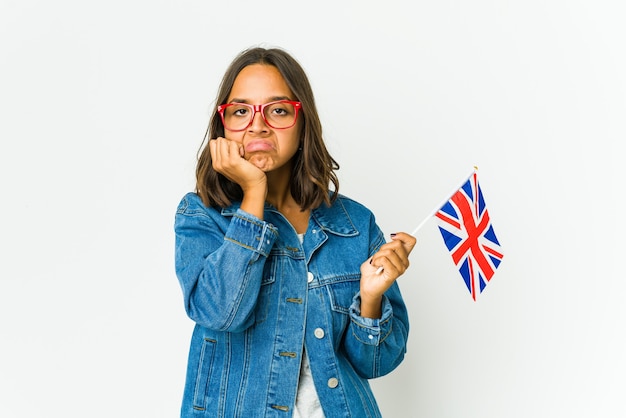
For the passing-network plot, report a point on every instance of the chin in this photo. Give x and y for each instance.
(261, 162)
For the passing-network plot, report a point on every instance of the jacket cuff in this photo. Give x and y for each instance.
(251, 232)
(371, 331)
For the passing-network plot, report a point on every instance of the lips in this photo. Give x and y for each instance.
(256, 146)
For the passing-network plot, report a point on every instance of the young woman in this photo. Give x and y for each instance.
(282, 274)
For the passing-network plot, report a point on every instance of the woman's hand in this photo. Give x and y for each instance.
(228, 160)
(393, 258)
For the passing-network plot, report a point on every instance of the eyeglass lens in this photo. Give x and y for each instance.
(278, 115)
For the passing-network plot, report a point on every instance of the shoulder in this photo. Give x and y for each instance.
(191, 205)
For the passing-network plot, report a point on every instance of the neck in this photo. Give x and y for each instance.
(279, 195)
(279, 189)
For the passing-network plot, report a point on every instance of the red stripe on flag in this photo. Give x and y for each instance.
(448, 220)
(492, 251)
(473, 233)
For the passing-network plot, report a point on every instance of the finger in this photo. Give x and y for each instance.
(408, 241)
(225, 154)
(390, 269)
(391, 262)
(223, 149)
(394, 248)
(213, 150)
(235, 151)
(400, 262)
(219, 155)
(232, 149)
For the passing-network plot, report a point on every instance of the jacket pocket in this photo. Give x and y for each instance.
(341, 291)
(205, 365)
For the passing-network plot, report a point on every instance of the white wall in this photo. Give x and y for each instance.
(104, 104)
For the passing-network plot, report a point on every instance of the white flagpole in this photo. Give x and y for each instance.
(443, 202)
(434, 212)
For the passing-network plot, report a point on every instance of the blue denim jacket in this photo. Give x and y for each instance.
(258, 296)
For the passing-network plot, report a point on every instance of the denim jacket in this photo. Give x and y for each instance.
(258, 297)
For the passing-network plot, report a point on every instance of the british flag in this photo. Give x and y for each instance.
(467, 232)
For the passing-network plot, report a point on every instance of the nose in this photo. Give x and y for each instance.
(258, 122)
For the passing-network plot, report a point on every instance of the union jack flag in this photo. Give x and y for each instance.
(467, 232)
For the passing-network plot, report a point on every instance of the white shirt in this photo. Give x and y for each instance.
(307, 401)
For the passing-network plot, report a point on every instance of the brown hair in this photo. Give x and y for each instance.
(313, 166)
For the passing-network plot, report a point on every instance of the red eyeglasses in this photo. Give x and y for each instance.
(281, 114)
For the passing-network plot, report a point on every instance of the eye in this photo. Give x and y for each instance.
(280, 109)
(239, 110)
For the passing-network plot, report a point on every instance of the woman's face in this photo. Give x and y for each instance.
(265, 147)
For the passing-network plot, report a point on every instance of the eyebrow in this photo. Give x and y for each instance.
(272, 99)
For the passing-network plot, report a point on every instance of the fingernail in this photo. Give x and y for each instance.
(393, 234)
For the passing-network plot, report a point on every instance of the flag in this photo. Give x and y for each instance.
(469, 236)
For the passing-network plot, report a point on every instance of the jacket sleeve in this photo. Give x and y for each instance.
(375, 347)
(220, 270)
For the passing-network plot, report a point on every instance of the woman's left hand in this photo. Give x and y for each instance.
(393, 258)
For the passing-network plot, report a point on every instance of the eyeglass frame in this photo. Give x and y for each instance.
(259, 108)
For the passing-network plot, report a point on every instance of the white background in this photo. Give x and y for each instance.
(103, 106)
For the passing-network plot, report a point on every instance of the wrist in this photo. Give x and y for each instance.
(253, 200)
(371, 306)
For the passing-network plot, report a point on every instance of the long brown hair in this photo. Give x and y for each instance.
(313, 166)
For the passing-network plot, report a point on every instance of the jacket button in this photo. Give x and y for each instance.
(333, 382)
(319, 333)
(309, 277)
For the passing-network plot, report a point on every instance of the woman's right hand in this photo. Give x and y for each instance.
(227, 157)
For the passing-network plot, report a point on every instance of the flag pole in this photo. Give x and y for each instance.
(443, 202)
(434, 212)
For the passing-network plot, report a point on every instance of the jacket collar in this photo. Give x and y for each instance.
(333, 219)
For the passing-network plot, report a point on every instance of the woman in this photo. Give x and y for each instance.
(291, 285)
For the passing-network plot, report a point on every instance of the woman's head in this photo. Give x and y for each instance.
(312, 166)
